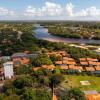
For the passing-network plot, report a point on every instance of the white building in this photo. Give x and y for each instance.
(8, 70)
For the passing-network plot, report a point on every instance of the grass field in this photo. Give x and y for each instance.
(74, 81)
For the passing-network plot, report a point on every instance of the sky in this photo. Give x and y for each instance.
(49, 10)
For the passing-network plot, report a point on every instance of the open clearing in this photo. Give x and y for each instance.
(72, 81)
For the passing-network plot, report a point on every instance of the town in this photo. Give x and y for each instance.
(53, 70)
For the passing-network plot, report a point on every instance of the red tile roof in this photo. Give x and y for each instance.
(92, 59)
(90, 69)
(75, 67)
(49, 67)
(93, 97)
(69, 62)
(54, 97)
(84, 63)
(58, 62)
(36, 68)
(63, 67)
(97, 68)
(82, 59)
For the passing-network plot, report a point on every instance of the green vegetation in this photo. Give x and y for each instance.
(39, 84)
(75, 30)
(42, 59)
(17, 38)
(74, 82)
(77, 53)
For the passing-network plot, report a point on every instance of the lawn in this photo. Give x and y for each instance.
(72, 81)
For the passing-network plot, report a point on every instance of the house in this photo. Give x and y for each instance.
(97, 68)
(69, 62)
(93, 97)
(19, 55)
(64, 67)
(84, 63)
(49, 67)
(79, 68)
(36, 68)
(61, 53)
(92, 59)
(8, 70)
(58, 62)
(82, 59)
(90, 69)
(20, 59)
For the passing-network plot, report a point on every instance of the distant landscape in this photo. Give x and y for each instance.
(41, 69)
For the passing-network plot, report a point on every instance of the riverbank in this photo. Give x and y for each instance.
(42, 33)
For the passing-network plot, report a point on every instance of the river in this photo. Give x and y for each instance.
(42, 33)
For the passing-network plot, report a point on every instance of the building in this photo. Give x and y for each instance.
(92, 95)
(8, 70)
(20, 59)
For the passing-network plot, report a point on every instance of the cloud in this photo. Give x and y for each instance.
(88, 12)
(69, 9)
(6, 12)
(51, 10)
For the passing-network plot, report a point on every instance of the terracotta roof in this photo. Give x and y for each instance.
(90, 69)
(65, 58)
(58, 62)
(97, 68)
(36, 68)
(92, 59)
(82, 59)
(84, 63)
(75, 67)
(54, 97)
(61, 53)
(64, 67)
(69, 59)
(69, 62)
(49, 67)
(93, 97)
(92, 63)
(21, 60)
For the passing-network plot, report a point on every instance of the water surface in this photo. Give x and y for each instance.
(42, 33)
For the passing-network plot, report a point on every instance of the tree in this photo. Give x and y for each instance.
(36, 94)
(56, 79)
(77, 94)
(29, 94)
(12, 97)
(23, 81)
(8, 87)
(42, 59)
(24, 69)
(42, 80)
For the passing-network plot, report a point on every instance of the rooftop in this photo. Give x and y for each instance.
(90, 69)
(19, 55)
(93, 97)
